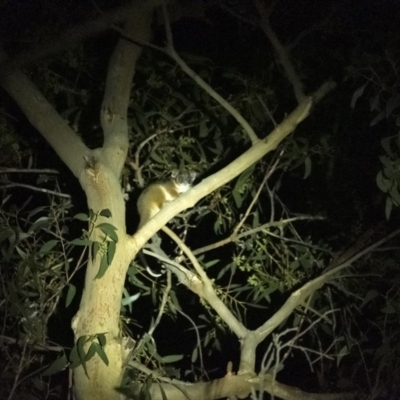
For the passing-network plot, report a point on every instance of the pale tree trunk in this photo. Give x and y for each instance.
(101, 300)
(98, 172)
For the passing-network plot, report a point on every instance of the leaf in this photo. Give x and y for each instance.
(386, 162)
(35, 211)
(48, 246)
(223, 271)
(56, 366)
(395, 195)
(203, 131)
(70, 294)
(392, 104)
(66, 265)
(371, 295)
(80, 345)
(307, 166)
(111, 247)
(100, 351)
(102, 338)
(103, 267)
(388, 207)
(164, 395)
(357, 94)
(40, 223)
(21, 253)
(379, 117)
(389, 309)
(81, 217)
(382, 182)
(385, 143)
(95, 248)
(237, 197)
(91, 352)
(195, 355)
(211, 263)
(106, 213)
(172, 358)
(74, 359)
(374, 103)
(243, 178)
(343, 352)
(81, 242)
(108, 230)
(6, 233)
(129, 300)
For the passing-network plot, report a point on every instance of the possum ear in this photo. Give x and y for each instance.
(193, 175)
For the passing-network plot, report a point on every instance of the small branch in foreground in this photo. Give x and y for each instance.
(170, 51)
(28, 171)
(282, 53)
(48, 191)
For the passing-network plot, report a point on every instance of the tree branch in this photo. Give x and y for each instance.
(117, 94)
(282, 53)
(226, 174)
(300, 295)
(74, 36)
(41, 114)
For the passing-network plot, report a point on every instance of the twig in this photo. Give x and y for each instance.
(28, 170)
(23, 185)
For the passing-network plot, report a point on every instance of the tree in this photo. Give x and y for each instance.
(101, 348)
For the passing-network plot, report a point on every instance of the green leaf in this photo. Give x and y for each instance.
(81, 352)
(392, 104)
(307, 165)
(388, 207)
(103, 267)
(172, 358)
(100, 351)
(195, 355)
(91, 352)
(211, 263)
(80, 345)
(66, 265)
(389, 309)
(36, 211)
(237, 196)
(385, 143)
(371, 295)
(95, 248)
(21, 253)
(48, 246)
(102, 338)
(203, 130)
(111, 247)
(5, 233)
(382, 182)
(108, 230)
(129, 300)
(164, 395)
(379, 117)
(42, 222)
(81, 242)
(357, 94)
(74, 359)
(374, 103)
(395, 195)
(56, 366)
(81, 217)
(105, 213)
(70, 294)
